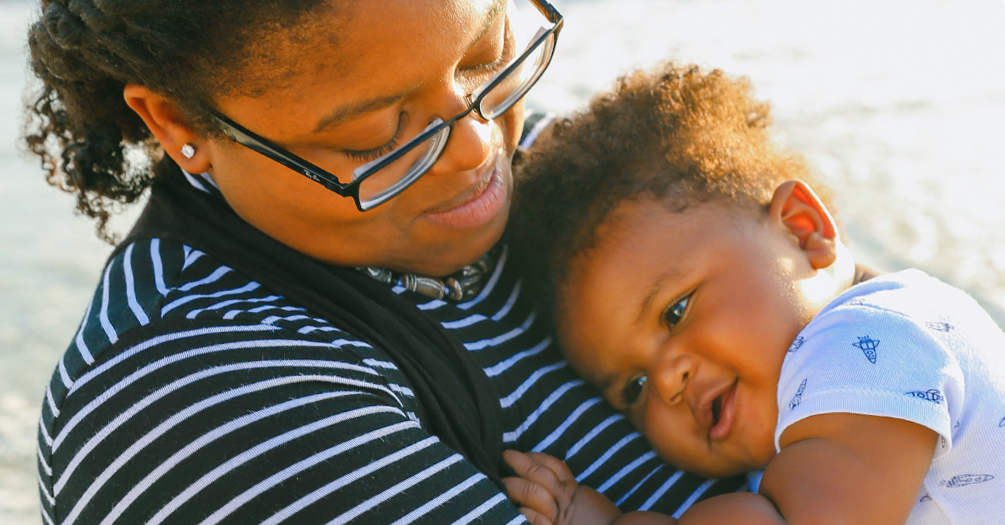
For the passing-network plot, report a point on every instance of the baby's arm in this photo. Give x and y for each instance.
(834, 468)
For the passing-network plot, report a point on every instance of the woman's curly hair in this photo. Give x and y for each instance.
(678, 134)
(86, 51)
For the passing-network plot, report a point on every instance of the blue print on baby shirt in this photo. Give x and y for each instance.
(797, 344)
(963, 480)
(932, 395)
(868, 347)
(798, 398)
(938, 326)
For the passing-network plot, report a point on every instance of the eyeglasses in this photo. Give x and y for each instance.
(379, 180)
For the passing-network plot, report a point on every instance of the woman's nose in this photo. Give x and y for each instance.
(470, 143)
(670, 377)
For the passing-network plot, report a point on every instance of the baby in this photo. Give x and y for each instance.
(698, 279)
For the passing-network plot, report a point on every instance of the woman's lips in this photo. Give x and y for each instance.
(726, 414)
(483, 204)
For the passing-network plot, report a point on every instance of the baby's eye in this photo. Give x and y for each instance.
(633, 389)
(675, 312)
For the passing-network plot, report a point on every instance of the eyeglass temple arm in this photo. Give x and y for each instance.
(547, 10)
(264, 147)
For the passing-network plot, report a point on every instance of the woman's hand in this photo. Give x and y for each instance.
(548, 494)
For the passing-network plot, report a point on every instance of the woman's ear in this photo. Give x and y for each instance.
(799, 210)
(171, 129)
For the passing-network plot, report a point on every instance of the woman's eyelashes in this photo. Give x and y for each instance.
(676, 311)
(633, 390)
(375, 153)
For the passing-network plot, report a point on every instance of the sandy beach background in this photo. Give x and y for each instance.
(900, 105)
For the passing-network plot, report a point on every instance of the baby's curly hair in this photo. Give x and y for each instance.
(678, 134)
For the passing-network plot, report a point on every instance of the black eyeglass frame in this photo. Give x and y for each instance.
(261, 145)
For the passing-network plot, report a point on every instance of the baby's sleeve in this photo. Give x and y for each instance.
(863, 359)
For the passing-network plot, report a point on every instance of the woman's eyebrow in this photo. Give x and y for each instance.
(339, 115)
(348, 111)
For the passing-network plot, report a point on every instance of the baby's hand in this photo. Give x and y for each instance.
(548, 493)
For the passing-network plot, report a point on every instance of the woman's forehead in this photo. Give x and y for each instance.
(355, 56)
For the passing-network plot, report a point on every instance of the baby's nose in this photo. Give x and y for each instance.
(671, 377)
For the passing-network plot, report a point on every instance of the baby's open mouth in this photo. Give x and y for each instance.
(717, 409)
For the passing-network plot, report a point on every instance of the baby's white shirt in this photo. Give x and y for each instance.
(908, 346)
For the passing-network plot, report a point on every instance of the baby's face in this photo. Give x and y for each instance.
(682, 320)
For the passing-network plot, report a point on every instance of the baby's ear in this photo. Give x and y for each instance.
(798, 208)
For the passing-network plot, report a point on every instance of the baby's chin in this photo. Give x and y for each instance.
(718, 465)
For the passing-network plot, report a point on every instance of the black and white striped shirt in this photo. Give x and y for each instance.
(192, 394)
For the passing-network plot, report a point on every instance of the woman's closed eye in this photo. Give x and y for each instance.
(375, 153)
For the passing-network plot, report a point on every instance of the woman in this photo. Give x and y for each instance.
(313, 319)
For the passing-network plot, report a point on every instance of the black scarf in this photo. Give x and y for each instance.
(456, 401)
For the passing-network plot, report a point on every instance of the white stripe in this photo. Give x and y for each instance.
(509, 302)
(191, 256)
(41, 459)
(182, 300)
(273, 318)
(106, 324)
(358, 510)
(45, 433)
(515, 396)
(63, 375)
(505, 365)
(476, 512)
(310, 328)
(263, 308)
(134, 305)
(339, 343)
(229, 302)
(539, 126)
(166, 425)
(634, 489)
(195, 183)
(342, 481)
(431, 305)
(662, 490)
(222, 347)
(489, 285)
(463, 323)
(403, 390)
(557, 433)
(693, 498)
(607, 455)
(379, 364)
(166, 338)
(510, 437)
(155, 255)
(286, 473)
(518, 519)
(627, 469)
(208, 178)
(218, 432)
(209, 279)
(439, 500)
(500, 339)
(51, 402)
(45, 514)
(592, 434)
(85, 354)
(45, 491)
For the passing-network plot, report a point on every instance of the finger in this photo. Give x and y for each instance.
(535, 517)
(532, 496)
(556, 465)
(526, 467)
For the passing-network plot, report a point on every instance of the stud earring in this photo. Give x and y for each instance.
(188, 151)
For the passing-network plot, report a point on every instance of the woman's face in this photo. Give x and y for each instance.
(349, 88)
